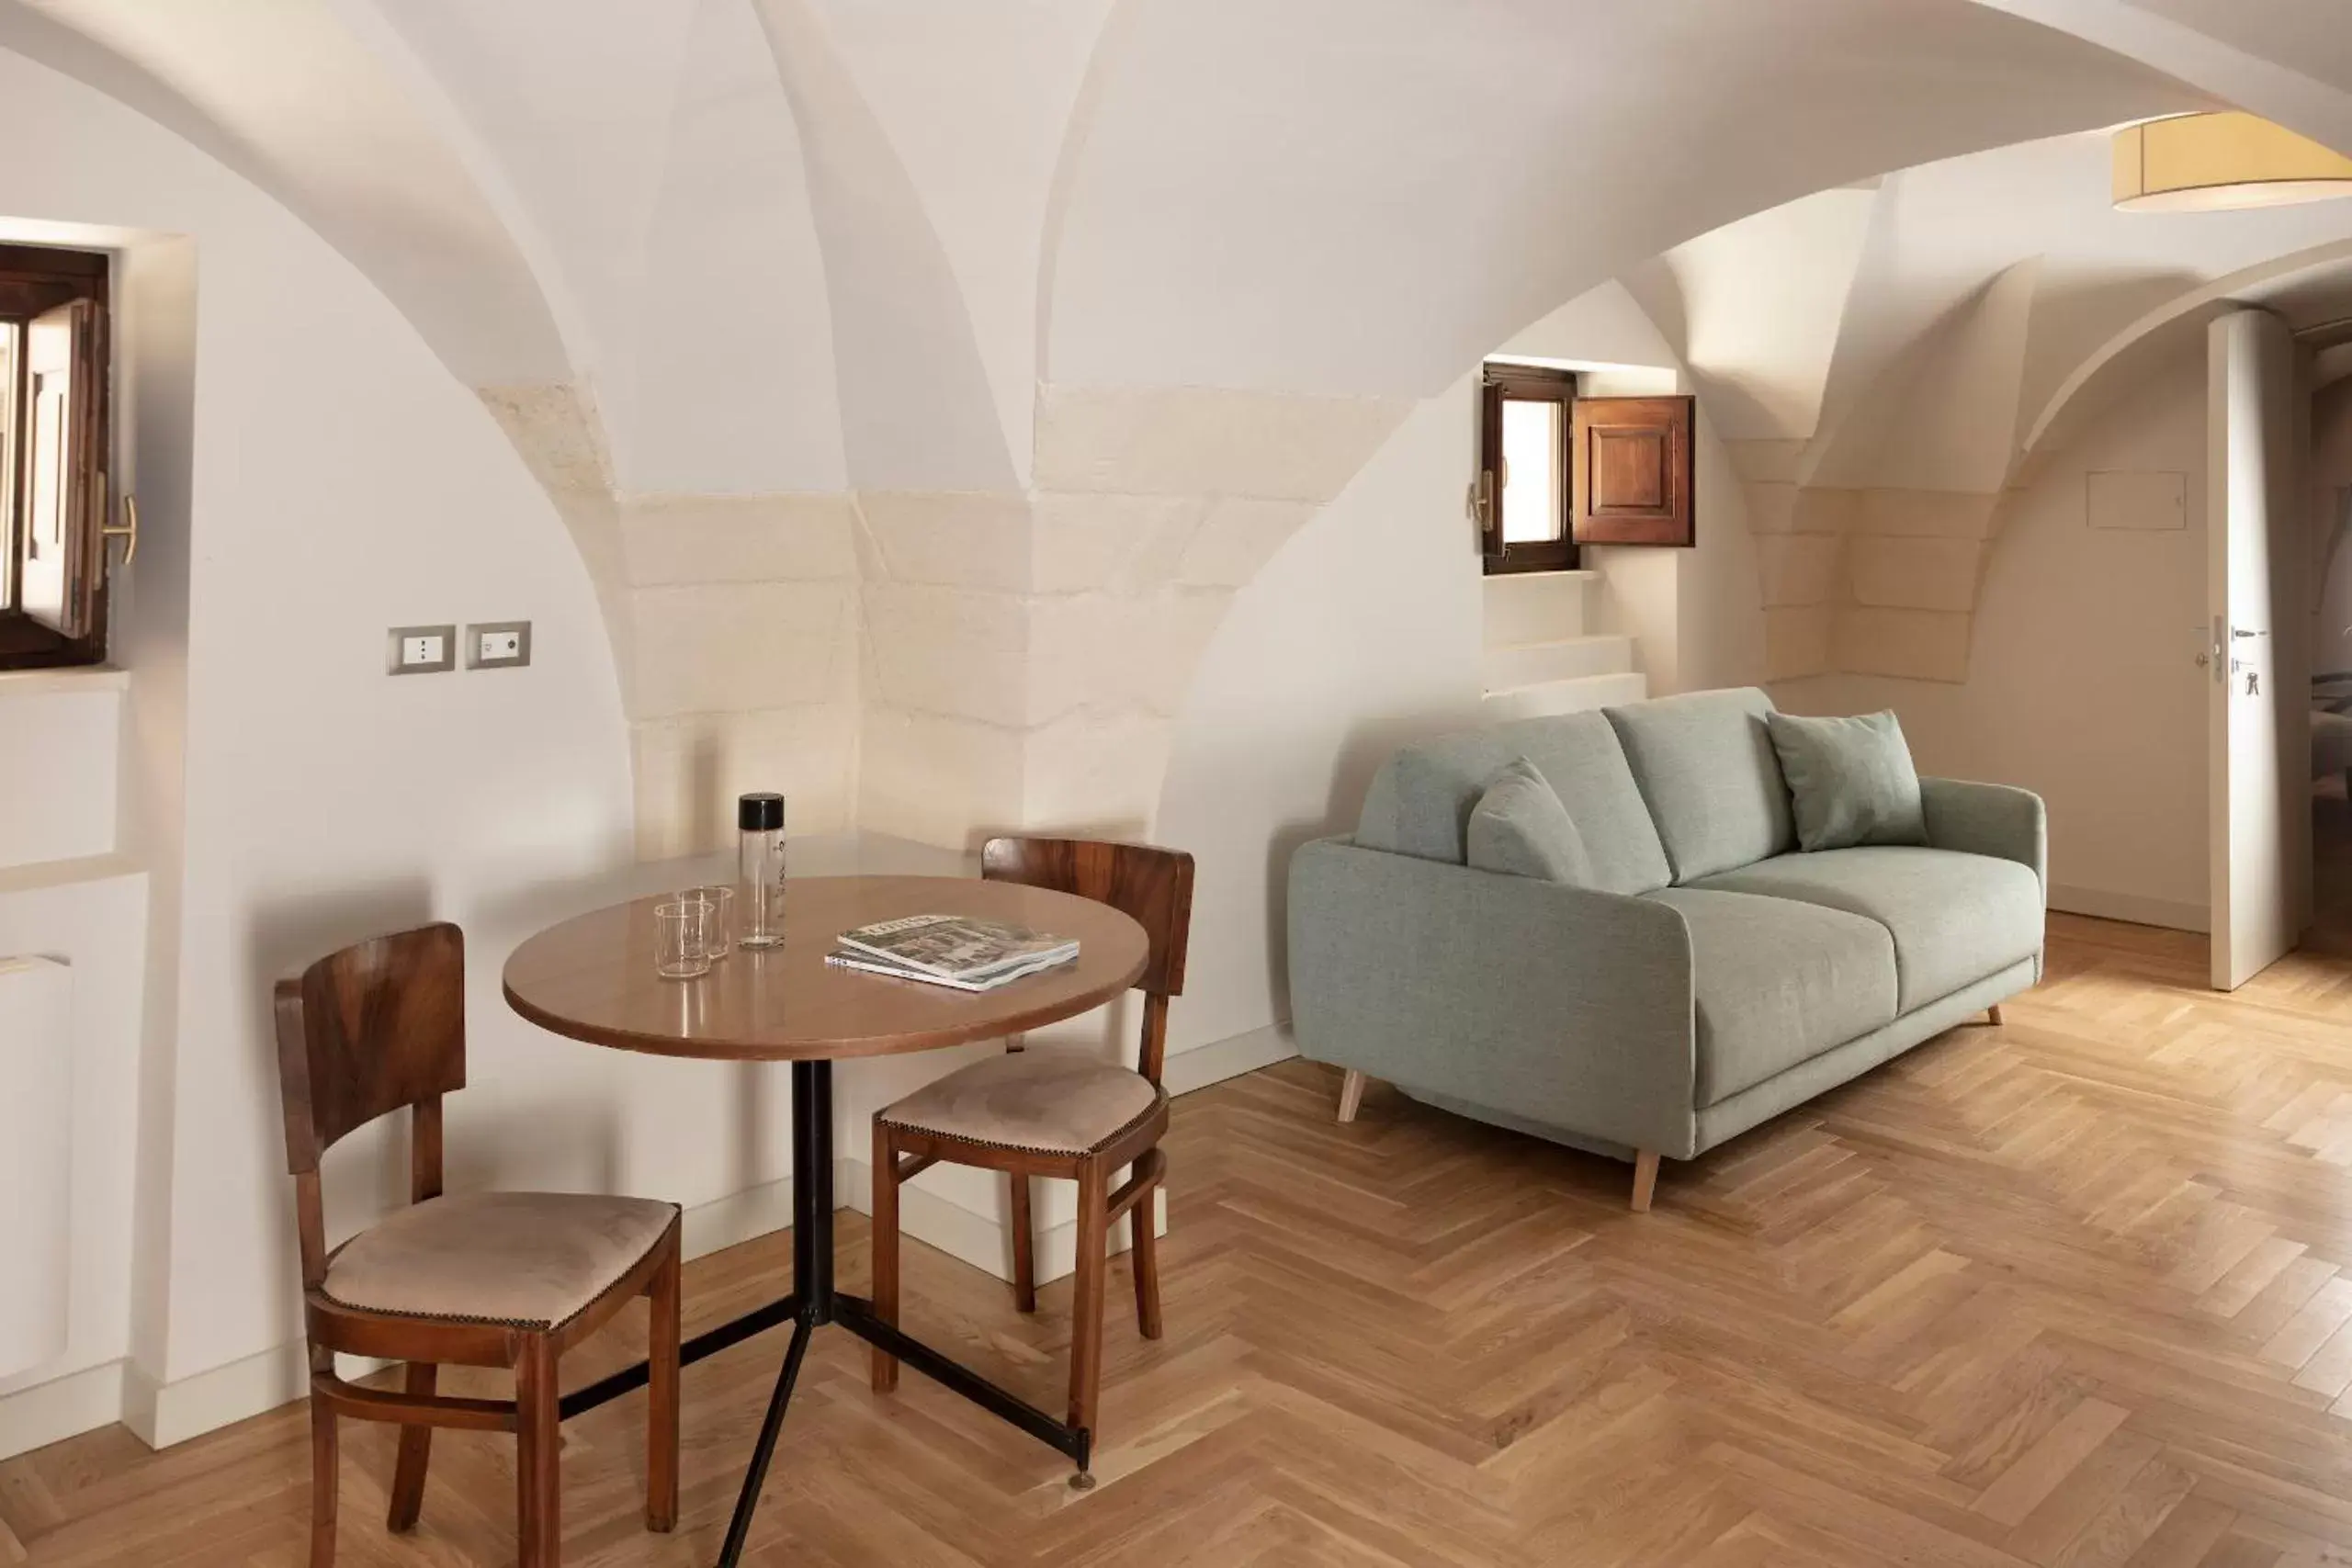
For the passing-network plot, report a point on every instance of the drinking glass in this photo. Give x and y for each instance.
(682, 938)
(719, 940)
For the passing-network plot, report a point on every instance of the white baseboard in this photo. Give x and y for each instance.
(726, 1221)
(978, 1239)
(53, 1411)
(1220, 1059)
(2170, 913)
(163, 1414)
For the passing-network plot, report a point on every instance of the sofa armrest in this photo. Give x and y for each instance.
(2000, 820)
(1557, 1004)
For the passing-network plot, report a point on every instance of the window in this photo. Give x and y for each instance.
(54, 432)
(1556, 471)
(1522, 492)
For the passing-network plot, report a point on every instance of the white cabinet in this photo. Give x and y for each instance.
(36, 1159)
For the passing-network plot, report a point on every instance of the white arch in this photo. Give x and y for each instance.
(2095, 383)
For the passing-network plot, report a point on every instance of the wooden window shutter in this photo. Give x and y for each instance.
(1487, 489)
(64, 476)
(1631, 471)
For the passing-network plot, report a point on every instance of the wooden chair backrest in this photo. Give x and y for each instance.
(1151, 885)
(365, 1031)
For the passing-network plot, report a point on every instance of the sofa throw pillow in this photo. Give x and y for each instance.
(1850, 780)
(1519, 828)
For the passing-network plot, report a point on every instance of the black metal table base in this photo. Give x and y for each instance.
(814, 1303)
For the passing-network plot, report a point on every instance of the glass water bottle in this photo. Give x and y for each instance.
(760, 871)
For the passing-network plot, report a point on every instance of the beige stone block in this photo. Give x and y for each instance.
(1237, 537)
(690, 769)
(1093, 771)
(1207, 441)
(1939, 514)
(740, 647)
(673, 540)
(556, 427)
(1772, 506)
(955, 539)
(1123, 542)
(1821, 511)
(1798, 569)
(1103, 650)
(1915, 573)
(1796, 641)
(1187, 619)
(1920, 645)
(1085, 652)
(949, 650)
(1765, 462)
(938, 779)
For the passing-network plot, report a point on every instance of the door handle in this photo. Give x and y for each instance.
(129, 530)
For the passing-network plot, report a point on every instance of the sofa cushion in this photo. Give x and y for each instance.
(1955, 918)
(1421, 802)
(1520, 828)
(1777, 982)
(1850, 780)
(1708, 773)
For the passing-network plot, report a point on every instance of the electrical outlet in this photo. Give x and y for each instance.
(421, 650)
(498, 645)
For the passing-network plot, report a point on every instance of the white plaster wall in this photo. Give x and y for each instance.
(2082, 684)
(1362, 633)
(977, 103)
(57, 769)
(1756, 306)
(343, 482)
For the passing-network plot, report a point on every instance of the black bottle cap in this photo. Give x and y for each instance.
(762, 813)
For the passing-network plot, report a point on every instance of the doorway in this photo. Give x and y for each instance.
(2331, 679)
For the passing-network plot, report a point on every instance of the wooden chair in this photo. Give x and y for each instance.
(1063, 1114)
(478, 1279)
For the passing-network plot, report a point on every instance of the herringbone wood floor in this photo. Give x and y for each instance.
(2076, 1290)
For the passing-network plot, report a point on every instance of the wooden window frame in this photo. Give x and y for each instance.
(35, 279)
(1521, 383)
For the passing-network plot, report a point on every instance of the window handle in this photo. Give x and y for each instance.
(127, 531)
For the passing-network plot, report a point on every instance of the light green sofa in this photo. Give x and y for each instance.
(1715, 979)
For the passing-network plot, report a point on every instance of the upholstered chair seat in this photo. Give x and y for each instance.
(531, 1259)
(1043, 1101)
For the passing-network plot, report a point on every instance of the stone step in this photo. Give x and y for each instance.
(1546, 698)
(1541, 606)
(1506, 668)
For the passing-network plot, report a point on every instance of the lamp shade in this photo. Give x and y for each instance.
(2209, 163)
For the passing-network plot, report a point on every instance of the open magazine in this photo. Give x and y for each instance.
(852, 960)
(962, 950)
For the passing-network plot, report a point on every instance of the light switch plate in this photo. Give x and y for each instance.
(498, 645)
(421, 651)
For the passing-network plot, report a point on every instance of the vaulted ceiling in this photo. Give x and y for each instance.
(806, 244)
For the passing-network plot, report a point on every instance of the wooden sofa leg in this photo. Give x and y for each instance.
(1350, 1094)
(1645, 1180)
(1992, 1015)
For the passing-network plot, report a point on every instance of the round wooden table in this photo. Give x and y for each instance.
(592, 978)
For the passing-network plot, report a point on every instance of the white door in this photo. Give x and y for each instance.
(2259, 748)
